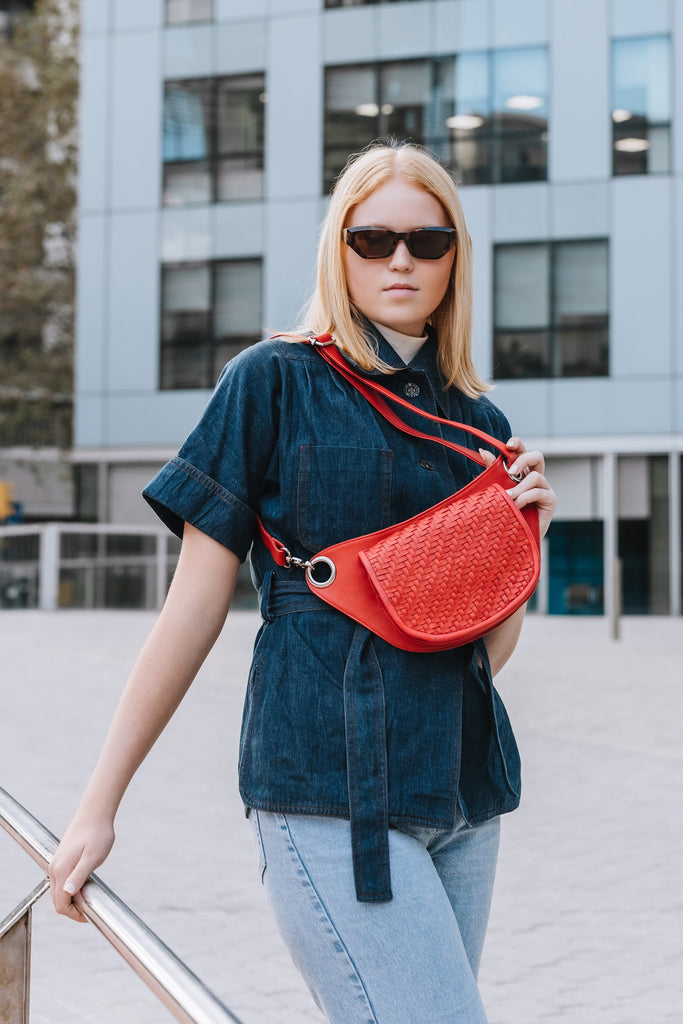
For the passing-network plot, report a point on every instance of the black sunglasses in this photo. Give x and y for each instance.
(422, 243)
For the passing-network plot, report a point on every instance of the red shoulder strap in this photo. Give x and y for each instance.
(371, 390)
(375, 394)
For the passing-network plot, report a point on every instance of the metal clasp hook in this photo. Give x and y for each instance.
(315, 340)
(292, 562)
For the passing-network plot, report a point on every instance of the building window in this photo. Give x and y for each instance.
(641, 105)
(180, 12)
(498, 130)
(213, 139)
(209, 313)
(551, 309)
(484, 114)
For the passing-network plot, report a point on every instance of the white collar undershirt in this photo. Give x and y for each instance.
(404, 345)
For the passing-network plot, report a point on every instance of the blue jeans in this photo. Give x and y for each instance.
(412, 960)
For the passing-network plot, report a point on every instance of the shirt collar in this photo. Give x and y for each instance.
(426, 361)
(406, 345)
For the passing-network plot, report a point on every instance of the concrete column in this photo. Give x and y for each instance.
(611, 572)
(542, 591)
(49, 567)
(103, 492)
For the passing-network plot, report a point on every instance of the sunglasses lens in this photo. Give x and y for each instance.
(429, 244)
(378, 243)
(373, 243)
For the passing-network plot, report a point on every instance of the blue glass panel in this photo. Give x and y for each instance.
(186, 124)
(576, 568)
(472, 84)
(641, 83)
(520, 82)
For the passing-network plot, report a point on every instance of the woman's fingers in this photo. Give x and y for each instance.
(75, 860)
(65, 882)
(526, 462)
(535, 489)
(63, 904)
(515, 444)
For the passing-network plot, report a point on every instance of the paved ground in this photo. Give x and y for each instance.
(588, 916)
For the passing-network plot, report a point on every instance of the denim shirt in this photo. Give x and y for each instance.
(336, 720)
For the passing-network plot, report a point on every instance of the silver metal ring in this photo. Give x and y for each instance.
(321, 560)
(517, 477)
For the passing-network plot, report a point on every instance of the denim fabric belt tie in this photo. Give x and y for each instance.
(366, 745)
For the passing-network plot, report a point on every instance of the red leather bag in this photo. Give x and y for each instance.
(444, 577)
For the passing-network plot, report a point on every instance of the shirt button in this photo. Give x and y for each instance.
(426, 464)
(411, 390)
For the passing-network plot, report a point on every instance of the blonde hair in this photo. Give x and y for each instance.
(330, 308)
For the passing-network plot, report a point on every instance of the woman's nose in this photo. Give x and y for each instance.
(401, 258)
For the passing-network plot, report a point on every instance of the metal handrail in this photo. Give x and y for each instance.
(49, 561)
(119, 529)
(178, 989)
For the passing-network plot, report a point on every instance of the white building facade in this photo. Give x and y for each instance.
(210, 132)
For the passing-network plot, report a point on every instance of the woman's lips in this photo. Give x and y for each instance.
(401, 288)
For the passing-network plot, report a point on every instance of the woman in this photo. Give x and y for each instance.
(374, 777)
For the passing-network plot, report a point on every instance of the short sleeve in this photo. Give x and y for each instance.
(215, 481)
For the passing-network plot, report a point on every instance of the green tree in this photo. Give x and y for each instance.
(38, 155)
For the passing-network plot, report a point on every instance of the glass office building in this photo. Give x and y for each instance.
(211, 132)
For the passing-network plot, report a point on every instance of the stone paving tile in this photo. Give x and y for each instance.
(587, 922)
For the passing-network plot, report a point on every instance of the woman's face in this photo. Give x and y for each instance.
(399, 291)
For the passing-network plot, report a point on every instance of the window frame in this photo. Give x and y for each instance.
(442, 142)
(203, 20)
(215, 157)
(553, 330)
(210, 341)
(641, 125)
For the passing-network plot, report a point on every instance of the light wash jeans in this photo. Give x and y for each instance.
(412, 960)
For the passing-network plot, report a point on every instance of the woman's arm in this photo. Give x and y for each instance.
(533, 488)
(190, 621)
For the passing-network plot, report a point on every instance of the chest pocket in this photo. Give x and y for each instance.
(342, 493)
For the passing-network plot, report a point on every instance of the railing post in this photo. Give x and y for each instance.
(49, 567)
(178, 989)
(15, 960)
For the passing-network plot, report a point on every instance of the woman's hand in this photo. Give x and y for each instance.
(86, 844)
(533, 488)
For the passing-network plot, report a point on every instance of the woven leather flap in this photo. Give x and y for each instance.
(442, 575)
